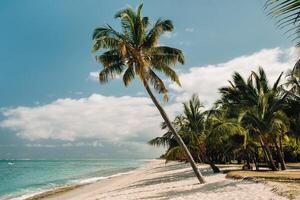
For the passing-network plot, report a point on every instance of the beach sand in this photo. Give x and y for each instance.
(157, 180)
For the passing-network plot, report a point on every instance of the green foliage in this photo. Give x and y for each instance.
(134, 51)
(287, 16)
(250, 111)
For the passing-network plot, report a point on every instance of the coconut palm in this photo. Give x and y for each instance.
(293, 79)
(194, 126)
(260, 108)
(219, 130)
(287, 15)
(135, 52)
(268, 124)
(167, 140)
(190, 127)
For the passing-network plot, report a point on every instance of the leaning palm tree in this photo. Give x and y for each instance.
(191, 128)
(167, 140)
(135, 51)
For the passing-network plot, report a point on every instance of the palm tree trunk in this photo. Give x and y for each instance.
(268, 154)
(280, 155)
(256, 159)
(177, 136)
(272, 163)
(280, 142)
(213, 167)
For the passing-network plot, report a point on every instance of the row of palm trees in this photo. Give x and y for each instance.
(134, 51)
(251, 121)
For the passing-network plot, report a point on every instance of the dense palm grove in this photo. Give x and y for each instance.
(252, 122)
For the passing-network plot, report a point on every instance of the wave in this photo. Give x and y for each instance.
(53, 188)
(96, 179)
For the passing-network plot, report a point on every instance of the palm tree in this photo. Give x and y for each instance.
(260, 108)
(287, 15)
(135, 52)
(190, 127)
(194, 127)
(219, 130)
(293, 79)
(167, 140)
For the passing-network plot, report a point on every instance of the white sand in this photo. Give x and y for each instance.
(172, 181)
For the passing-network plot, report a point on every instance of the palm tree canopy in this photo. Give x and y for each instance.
(260, 105)
(293, 79)
(194, 115)
(246, 93)
(287, 15)
(135, 50)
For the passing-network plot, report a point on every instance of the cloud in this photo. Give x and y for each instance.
(94, 143)
(129, 120)
(107, 118)
(189, 29)
(94, 76)
(169, 35)
(205, 80)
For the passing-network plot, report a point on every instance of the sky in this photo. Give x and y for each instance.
(51, 104)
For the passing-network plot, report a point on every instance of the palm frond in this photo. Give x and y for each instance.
(160, 27)
(135, 48)
(287, 15)
(157, 83)
(167, 71)
(175, 153)
(110, 72)
(128, 75)
(167, 55)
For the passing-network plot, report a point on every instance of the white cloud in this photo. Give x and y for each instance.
(189, 29)
(123, 120)
(205, 80)
(107, 118)
(40, 145)
(94, 76)
(141, 94)
(169, 35)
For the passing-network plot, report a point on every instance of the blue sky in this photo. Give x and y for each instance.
(45, 56)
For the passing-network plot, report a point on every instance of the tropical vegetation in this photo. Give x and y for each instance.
(252, 121)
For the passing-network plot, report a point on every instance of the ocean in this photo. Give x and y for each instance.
(20, 179)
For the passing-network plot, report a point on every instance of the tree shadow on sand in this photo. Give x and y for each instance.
(215, 187)
(168, 178)
(170, 167)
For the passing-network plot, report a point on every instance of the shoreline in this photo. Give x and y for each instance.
(66, 188)
(157, 180)
(45, 192)
(65, 192)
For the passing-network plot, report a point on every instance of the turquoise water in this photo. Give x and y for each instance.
(19, 178)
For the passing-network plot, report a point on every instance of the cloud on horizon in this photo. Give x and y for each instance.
(134, 119)
(206, 80)
(108, 118)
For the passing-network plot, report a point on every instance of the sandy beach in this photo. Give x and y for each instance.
(157, 180)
